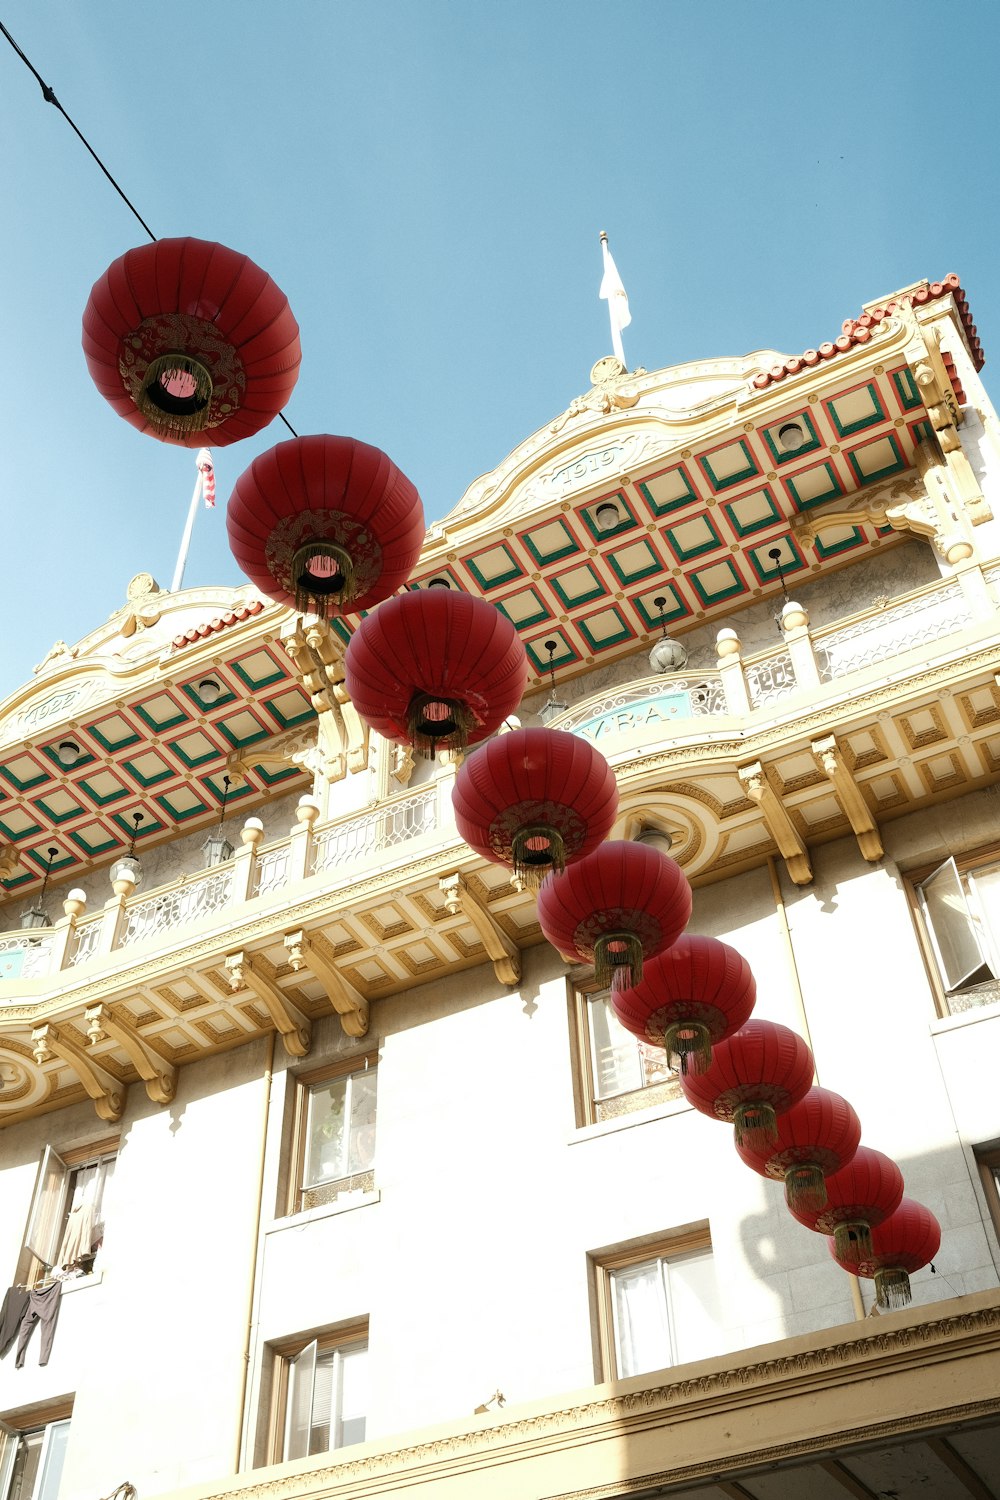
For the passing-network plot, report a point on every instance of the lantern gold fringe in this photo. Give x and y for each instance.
(532, 865)
(428, 735)
(691, 1043)
(853, 1241)
(892, 1287)
(620, 966)
(311, 596)
(151, 394)
(756, 1126)
(805, 1188)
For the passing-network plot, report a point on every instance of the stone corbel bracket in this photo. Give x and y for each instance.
(294, 1027)
(779, 825)
(350, 1005)
(107, 1093)
(458, 898)
(937, 393)
(318, 657)
(830, 759)
(159, 1075)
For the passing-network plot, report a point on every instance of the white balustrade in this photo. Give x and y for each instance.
(200, 896)
(899, 627)
(24, 957)
(650, 701)
(769, 678)
(271, 871)
(86, 940)
(353, 839)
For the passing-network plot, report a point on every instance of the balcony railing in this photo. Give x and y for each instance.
(377, 835)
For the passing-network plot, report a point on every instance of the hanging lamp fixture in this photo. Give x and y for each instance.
(217, 849)
(36, 916)
(553, 706)
(129, 864)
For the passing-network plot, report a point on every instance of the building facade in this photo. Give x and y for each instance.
(323, 1174)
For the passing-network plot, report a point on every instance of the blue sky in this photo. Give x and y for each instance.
(426, 180)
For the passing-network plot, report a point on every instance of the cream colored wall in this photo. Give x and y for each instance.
(152, 1353)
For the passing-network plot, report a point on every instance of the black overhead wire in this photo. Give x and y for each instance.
(48, 94)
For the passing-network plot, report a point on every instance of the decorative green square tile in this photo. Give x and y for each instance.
(149, 769)
(549, 543)
(598, 533)
(181, 804)
(59, 806)
(837, 539)
(854, 410)
(693, 538)
(24, 772)
(578, 585)
(906, 389)
(672, 489)
(114, 733)
(162, 712)
(674, 609)
(729, 464)
(290, 708)
(719, 581)
(769, 570)
(195, 749)
(638, 560)
(877, 459)
(752, 513)
(258, 669)
(103, 787)
(608, 627)
(772, 437)
(524, 608)
(494, 566)
(813, 486)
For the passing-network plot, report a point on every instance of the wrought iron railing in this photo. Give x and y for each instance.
(769, 678)
(382, 828)
(199, 896)
(900, 627)
(86, 940)
(271, 869)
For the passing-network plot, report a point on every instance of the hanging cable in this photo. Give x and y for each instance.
(48, 94)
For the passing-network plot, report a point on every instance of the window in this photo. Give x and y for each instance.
(989, 1171)
(66, 1224)
(620, 1073)
(658, 1305)
(31, 1460)
(335, 1133)
(959, 907)
(321, 1395)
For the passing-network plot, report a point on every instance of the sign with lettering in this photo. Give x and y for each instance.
(633, 716)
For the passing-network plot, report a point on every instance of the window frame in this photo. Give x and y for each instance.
(14, 1428)
(284, 1353)
(914, 880)
(583, 990)
(305, 1083)
(675, 1245)
(988, 1162)
(49, 1210)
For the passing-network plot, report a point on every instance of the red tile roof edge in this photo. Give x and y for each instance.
(221, 622)
(859, 331)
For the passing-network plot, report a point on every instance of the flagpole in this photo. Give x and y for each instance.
(616, 333)
(182, 555)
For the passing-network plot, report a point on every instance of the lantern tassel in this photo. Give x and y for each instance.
(181, 413)
(323, 578)
(691, 1044)
(618, 960)
(537, 851)
(892, 1287)
(805, 1188)
(853, 1241)
(756, 1125)
(437, 723)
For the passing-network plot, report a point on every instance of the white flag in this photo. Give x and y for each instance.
(614, 293)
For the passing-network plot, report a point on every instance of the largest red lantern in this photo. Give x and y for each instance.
(191, 342)
(535, 800)
(858, 1197)
(325, 524)
(692, 996)
(753, 1077)
(903, 1243)
(815, 1138)
(621, 904)
(436, 669)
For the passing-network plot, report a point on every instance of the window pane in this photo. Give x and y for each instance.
(322, 1404)
(353, 1395)
(26, 1465)
(48, 1208)
(326, 1133)
(952, 928)
(362, 1135)
(986, 887)
(642, 1334)
(298, 1414)
(615, 1051)
(52, 1464)
(695, 1306)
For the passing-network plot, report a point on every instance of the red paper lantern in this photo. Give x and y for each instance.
(816, 1137)
(435, 669)
(535, 800)
(191, 342)
(694, 995)
(903, 1243)
(753, 1077)
(619, 905)
(324, 524)
(858, 1197)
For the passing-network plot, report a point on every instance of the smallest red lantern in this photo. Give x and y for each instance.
(905, 1242)
(690, 997)
(816, 1137)
(753, 1077)
(858, 1197)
